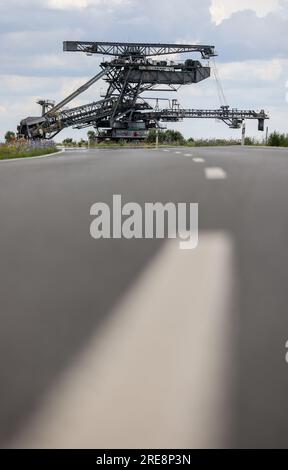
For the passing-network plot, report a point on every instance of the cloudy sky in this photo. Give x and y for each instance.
(250, 37)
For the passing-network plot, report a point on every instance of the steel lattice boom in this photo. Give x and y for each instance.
(124, 113)
(135, 50)
(232, 117)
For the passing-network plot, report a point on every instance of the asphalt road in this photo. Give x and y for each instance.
(58, 285)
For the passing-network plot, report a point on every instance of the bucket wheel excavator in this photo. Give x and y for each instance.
(130, 70)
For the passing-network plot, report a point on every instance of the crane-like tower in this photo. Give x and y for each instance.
(123, 113)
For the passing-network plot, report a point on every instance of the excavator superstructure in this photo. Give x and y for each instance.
(124, 113)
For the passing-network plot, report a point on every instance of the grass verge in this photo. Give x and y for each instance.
(8, 152)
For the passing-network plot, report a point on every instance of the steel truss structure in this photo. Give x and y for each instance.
(124, 113)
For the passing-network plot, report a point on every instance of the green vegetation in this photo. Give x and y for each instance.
(215, 142)
(10, 136)
(175, 138)
(69, 142)
(278, 140)
(252, 141)
(23, 149)
(109, 144)
(92, 137)
(166, 137)
(14, 148)
(72, 143)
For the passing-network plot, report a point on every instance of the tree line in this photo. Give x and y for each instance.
(171, 137)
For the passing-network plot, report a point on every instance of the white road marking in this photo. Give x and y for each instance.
(198, 160)
(187, 154)
(165, 150)
(215, 173)
(178, 152)
(158, 373)
(7, 160)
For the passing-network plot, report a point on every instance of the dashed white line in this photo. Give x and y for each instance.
(187, 154)
(198, 160)
(158, 373)
(215, 173)
(177, 152)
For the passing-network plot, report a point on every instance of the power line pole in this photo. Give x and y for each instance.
(243, 133)
(157, 137)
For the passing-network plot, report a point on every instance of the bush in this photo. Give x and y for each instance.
(250, 141)
(216, 142)
(171, 137)
(24, 148)
(10, 137)
(165, 137)
(92, 136)
(278, 140)
(68, 142)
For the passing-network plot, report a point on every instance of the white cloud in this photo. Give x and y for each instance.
(251, 45)
(19, 85)
(223, 9)
(261, 70)
(80, 4)
(68, 4)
